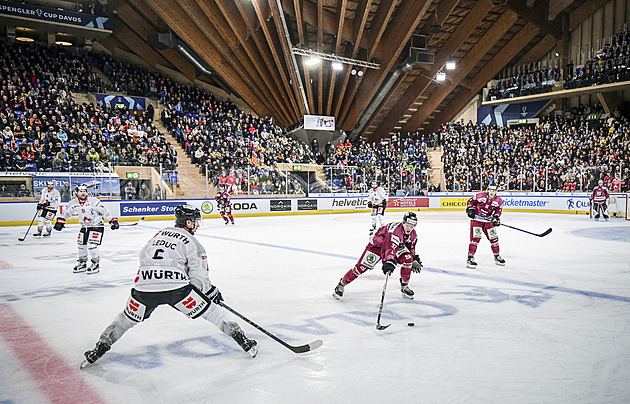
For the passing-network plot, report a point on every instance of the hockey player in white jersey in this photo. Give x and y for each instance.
(377, 201)
(47, 207)
(91, 213)
(173, 270)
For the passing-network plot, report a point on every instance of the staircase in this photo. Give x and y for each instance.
(80, 98)
(436, 173)
(191, 179)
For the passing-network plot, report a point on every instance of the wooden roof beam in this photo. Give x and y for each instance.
(407, 17)
(538, 14)
(330, 23)
(584, 11)
(239, 54)
(243, 66)
(244, 24)
(472, 58)
(341, 12)
(439, 15)
(360, 19)
(422, 81)
(282, 52)
(500, 60)
(137, 44)
(256, 34)
(188, 31)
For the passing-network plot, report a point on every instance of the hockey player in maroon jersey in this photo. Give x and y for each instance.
(394, 243)
(484, 209)
(599, 200)
(224, 204)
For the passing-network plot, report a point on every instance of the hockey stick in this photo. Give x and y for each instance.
(543, 234)
(297, 349)
(121, 224)
(29, 227)
(380, 309)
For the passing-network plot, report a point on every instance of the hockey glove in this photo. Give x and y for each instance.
(60, 223)
(214, 295)
(470, 211)
(416, 265)
(369, 204)
(114, 223)
(389, 266)
(39, 206)
(495, 221)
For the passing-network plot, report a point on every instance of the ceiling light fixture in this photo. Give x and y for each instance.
(312, 61)
(334, 58)
(24, 39)
(450, 65)
(441, 76)
(337, 66)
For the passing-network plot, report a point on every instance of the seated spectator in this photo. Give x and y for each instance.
(20, 164)
(22, 192)
(144, 192)
(43, 164)
(130, 191)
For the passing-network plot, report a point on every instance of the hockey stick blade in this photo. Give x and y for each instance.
(545, 233)
(297, 349)
(382, 327)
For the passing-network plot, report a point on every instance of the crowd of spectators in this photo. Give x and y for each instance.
(564, 153)
(43, 129)
(610, 64)
(541, 79)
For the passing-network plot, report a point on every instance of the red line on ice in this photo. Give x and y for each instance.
(60, 382)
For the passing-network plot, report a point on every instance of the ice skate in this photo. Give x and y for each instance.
(94, 268)
(498, 260)
(47, 234)
(470, 263)
(407, 293)
(248, 345)
(227, 223)
(38, 234)
(80, 267)
(338, 293)
(93, 355)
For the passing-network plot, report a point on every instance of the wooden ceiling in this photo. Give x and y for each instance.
(248, 43)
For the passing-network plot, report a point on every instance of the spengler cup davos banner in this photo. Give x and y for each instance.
(52, 15)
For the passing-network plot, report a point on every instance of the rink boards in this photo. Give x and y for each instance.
(21, 213)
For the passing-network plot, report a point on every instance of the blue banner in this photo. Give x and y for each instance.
(500, 114)
(148, 208)
(120, 101)
(53, 16)
(100, 186)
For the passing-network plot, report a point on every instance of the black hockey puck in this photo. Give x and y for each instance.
(411, 324)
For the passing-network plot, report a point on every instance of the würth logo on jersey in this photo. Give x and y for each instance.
(189, 303)
(133, 305)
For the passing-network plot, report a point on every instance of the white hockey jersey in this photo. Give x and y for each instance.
(377, 196)
(53, 198)
(171, 259)
(91, 212)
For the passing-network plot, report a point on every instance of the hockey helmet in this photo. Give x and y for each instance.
(374, 184)
(492, 187)
(81, 187)
(411, 218)
(600, 182)
(186, 212)
(51, 182)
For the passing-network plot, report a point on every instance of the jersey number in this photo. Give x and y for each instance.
(157, 255)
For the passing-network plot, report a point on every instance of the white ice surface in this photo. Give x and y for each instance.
(552, 326)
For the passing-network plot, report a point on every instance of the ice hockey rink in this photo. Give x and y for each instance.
(552, 326)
